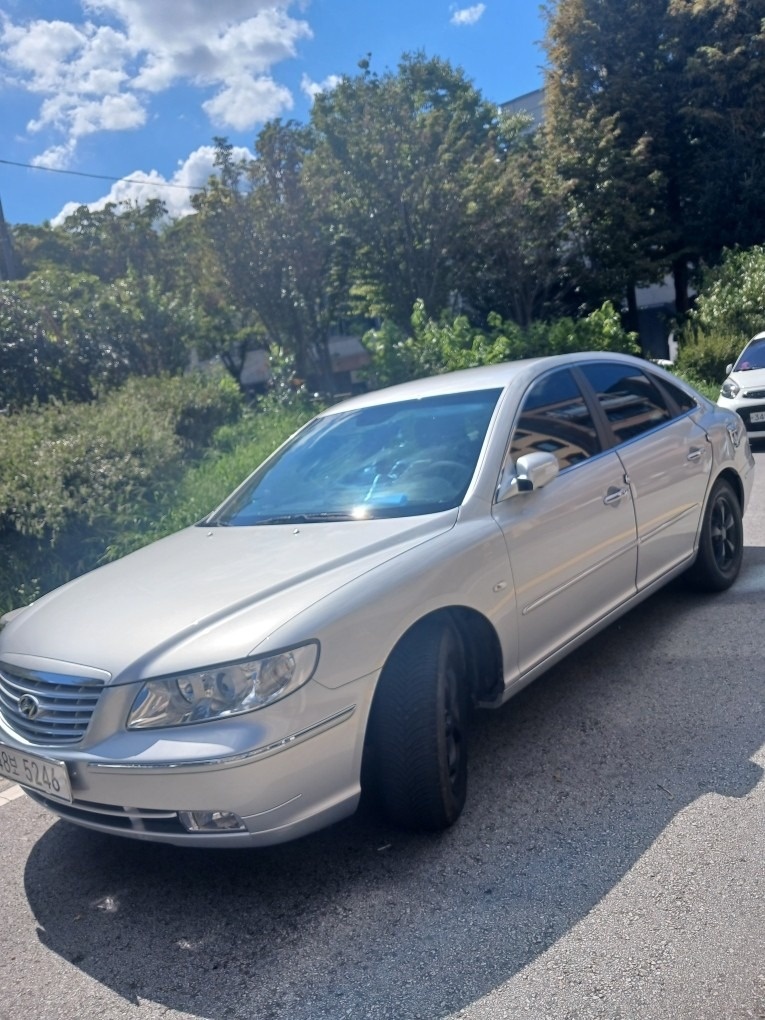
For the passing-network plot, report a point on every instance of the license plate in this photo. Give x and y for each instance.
(43, 774)
(757, 416)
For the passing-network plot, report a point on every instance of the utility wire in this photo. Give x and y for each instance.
(104, 177)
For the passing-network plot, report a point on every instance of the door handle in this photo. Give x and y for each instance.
(614, 495)
(695, 453)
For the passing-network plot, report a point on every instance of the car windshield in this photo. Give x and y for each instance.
(389, 460)
(752, 357)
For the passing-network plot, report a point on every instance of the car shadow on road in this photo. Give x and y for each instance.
(570, 784)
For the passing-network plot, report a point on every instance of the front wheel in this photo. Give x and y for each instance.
(721, 542)
(419, 729)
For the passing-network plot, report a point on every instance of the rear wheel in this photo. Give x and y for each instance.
(721, 542)
(419, 729)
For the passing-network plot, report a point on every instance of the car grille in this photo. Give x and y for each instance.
(754, 394)
(48, 708)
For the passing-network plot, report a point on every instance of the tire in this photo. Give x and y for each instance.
(721, 542)
(419, 729)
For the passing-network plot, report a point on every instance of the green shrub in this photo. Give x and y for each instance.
(731, 299)
(704, 386)
(707, 357)
(451, 344)
(75, 476)
(729, 310)
(234, 453)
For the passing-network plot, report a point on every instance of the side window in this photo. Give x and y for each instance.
(630, 400)
(555, 419)
(684, 401)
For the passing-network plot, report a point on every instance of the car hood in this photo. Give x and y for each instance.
(201, 596)
(753, 379)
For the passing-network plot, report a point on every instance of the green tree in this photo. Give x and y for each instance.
(110, 241)
(394, 156)
(274, 249)
(30, 362)
(637, 96)
(515, 239)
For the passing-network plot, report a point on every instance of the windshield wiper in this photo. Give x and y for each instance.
(306, 518)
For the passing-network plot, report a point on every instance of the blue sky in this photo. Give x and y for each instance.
(138, 88)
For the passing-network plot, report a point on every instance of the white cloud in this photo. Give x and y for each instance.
(99, 75)
(140, 186)
(248, 101)
(313, 88)
(81, 117)
(249, 47)
(57, 157)
(468, 15)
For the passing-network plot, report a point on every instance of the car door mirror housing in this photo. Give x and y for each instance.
(532, 471)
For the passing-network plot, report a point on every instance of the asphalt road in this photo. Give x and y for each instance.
(609, 865)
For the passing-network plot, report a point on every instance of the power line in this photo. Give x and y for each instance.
(104, 177)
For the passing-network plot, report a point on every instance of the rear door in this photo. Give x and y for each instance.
(666, 456)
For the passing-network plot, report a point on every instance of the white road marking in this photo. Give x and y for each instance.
(6, 796)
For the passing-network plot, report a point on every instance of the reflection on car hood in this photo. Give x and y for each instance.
(202, 596)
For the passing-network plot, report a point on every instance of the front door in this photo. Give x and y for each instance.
(572, 544)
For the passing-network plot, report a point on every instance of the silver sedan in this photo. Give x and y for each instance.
(407, 556)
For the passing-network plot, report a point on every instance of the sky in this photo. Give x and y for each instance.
(138, 89)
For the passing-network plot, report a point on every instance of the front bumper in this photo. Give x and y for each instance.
(744, 408)
(285, 771)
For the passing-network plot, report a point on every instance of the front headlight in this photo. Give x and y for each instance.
(222, 691)
(730, 389)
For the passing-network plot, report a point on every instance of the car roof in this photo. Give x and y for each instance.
(486, 377)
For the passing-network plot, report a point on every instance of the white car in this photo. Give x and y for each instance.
(744, 389)
(408, 555)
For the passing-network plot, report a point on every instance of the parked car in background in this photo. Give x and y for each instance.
(744, 389)
(408, 555)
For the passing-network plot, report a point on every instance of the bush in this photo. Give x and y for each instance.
(707, 357)
(75, 476)
(448, 345)
(729, 310)
(235, 452)
(731, 300)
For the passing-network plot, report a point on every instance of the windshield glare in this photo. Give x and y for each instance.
(390, 460)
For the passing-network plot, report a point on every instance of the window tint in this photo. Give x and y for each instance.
(555, 419)
(630, 400)
(684, 401)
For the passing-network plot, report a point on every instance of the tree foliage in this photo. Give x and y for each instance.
(431, 346)
(394, 156)
(273, 247)
(655, 112)
(728, 312)
(407, 189)
(76, 478)
(515, 237)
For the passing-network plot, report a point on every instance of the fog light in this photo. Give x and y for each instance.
(211, 821)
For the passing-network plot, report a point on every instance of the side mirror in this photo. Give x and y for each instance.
(729, 368)
(532, 471)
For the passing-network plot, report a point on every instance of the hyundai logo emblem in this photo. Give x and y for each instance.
(29, 706)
